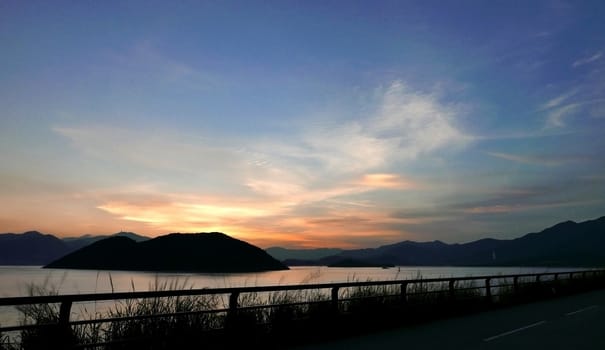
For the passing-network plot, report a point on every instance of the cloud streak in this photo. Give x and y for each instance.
(505, 209)
(538, 159)
(557, 101)
(586, 60)
(148, 64)
(557, 116)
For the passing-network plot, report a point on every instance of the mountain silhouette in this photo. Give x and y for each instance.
(199, 252)
(35, 248)
(564, 244)
(30, 248)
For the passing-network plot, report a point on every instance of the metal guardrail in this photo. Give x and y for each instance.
(487, 284)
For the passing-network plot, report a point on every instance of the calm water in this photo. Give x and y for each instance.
(17, 280)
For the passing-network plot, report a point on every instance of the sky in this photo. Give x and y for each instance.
(302, 123)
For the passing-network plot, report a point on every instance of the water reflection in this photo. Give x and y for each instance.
(16, 281)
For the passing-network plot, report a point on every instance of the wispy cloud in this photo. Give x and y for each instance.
(267, 184)
(501, 209)
(406, 125)
(151, 65)
(587, 60)
(542, 34)
(557, 101)
(538, 159)
(557, 117)
(578, 100)
(418, 123)
(164, 149)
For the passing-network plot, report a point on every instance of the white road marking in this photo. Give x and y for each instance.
(514, 331)
(584, 309)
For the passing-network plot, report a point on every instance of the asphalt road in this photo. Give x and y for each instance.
(570, 323)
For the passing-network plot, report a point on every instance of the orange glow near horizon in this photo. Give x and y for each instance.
(271, 222)
(267, 225)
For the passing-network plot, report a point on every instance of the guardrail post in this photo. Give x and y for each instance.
(64, 312)
(334, 295)
(233, 302)
(64, 336)
(488, 291)
(452, 289)
(232, 312)
(538, 290)
(404, 293)
(515, 284)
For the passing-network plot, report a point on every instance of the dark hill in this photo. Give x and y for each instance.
(30, 248)
(35, 248)
(567, 243)
(199, 252)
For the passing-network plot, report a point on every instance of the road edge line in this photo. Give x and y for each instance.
(513, 331)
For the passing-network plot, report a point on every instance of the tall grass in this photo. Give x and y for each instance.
(45, 315)
(5, 342)
(183, 315)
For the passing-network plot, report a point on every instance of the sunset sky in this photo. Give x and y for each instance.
(302, 123)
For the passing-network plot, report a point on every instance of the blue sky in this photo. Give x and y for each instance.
(302, 123)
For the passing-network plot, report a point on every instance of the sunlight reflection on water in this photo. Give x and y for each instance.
(14, 280)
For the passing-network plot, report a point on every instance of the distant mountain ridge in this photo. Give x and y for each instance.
(196, 252)
(280, 253)
(30, 248)
(35, 248)
(564, 244)
(83, 241)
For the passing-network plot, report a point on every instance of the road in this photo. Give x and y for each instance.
(573, 322)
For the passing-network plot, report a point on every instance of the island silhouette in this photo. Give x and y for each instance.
(212, 252)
